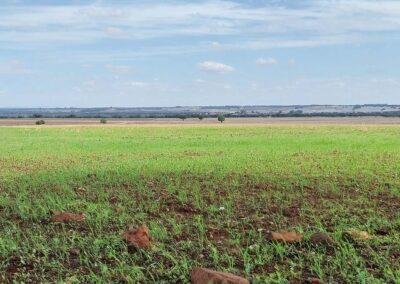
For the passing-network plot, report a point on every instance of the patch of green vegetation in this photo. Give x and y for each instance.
(209, 195)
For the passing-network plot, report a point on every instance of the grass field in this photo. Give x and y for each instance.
(209, 195)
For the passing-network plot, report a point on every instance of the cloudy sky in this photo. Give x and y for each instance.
(166, 53)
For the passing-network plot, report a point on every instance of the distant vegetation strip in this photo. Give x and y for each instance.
(207, 112)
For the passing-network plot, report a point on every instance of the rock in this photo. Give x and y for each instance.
(286, 237)
(356, 235)
(321, 239)
(138, 238)
(208, 276)
(65, 217)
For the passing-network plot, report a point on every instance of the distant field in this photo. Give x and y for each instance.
(209, 195)
(206, 121)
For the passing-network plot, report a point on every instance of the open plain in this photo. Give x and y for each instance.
(210, 196)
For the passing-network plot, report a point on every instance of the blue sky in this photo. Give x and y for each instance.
(167, 53)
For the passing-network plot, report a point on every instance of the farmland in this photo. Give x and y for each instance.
(209, 194)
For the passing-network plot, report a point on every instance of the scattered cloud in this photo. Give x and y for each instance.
(266, 61)
(137, 84)
(47, 24)
(13, 67)
(114, 32)
(119, 69)
(215, 67)
(215, 44)
(90, 83)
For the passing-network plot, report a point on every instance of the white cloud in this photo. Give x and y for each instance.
(216, 67)
(114, 32)
(45, 24)
(266, 61)
(215, 44)
(119, 69)
(137, 84)
(13, 67)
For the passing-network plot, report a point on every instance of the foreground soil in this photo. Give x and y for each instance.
(271, 204)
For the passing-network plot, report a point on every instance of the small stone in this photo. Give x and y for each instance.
(285, 237)
(208, 276)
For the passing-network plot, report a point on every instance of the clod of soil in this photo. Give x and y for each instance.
(315, 281)
(356, 235)
(285, 237)
(291, 212)
(65, 217)
(382, 231)
(74, 251)
(208, 276)
(138, 238)
(321, 239)
(113, 200)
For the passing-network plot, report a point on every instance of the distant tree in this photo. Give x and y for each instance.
(40, 122)
(103, 121)
(201, 117)
(221, 118)
(37, 115)
(182, 116)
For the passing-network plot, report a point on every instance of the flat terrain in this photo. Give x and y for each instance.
(206, 121)
(209, 194)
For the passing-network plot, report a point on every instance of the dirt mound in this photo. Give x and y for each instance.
(207, 276)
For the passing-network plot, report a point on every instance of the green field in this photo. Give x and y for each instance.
(209, 196)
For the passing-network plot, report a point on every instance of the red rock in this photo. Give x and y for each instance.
(138, 238)
(285, 237)
(65, 217)
(208, 276)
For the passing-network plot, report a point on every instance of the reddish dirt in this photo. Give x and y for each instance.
(285, 237)
(207, 276)
(64, 217)
(138, 238)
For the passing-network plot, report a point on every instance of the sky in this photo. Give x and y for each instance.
(115, 53)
